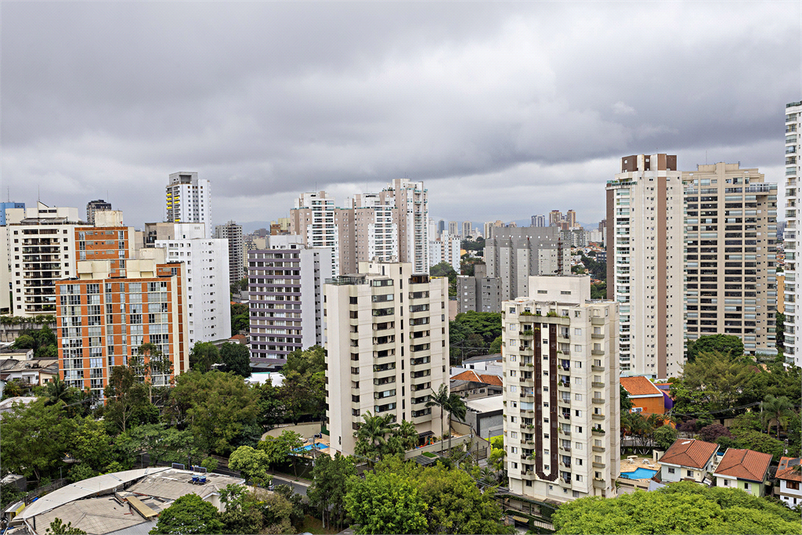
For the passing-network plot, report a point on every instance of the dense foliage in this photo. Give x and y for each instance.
(677, 508)
(473, 333)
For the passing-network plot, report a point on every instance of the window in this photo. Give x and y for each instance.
(513, 449)
(746, 486)
(578, 397)
(726, 482)
(689, 473)
(670, 470)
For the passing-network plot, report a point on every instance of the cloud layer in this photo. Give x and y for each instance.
(504, 110)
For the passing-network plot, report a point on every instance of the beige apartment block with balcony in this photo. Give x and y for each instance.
(730, 256)
(561, 393)
(644, 263)
(387, 342)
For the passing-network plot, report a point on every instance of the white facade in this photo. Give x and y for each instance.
(316, 224)
(207, 273)
(645, 264)
(387, 331)
(793, 174)
(412, 201)
(445, 249)
(561, 392)
(39, 247)
(189, 200)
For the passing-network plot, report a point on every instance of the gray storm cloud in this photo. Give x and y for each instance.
(504, 110)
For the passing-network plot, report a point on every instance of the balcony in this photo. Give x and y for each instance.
(599, 465)
(597, 368)
(597, 432)
(598, 416)
(599, 484)
(597, 352)
(597, 321)
(597, 336)
(599, 449)
(600, 401)
(596, 384)
(565, 432)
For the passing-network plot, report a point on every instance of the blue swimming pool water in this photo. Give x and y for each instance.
(308, 447)
(640, 473)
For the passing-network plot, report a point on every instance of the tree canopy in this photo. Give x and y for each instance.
(721, 343)
(683, 507)
(189, 514)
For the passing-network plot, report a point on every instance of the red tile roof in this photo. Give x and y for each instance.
(640, 386)
(786, 469)
(470, 375)
(744, 464)
(689, 452)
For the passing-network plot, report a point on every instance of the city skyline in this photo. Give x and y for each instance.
(503, 111)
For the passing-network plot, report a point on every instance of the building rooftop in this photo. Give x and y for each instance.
(640, 386)
(8, 404)
(788, 469)
(470, 375)
(744, 464)
(488, 404)
(690, 452)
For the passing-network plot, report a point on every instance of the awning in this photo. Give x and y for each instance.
(520, 519)
(426, 434)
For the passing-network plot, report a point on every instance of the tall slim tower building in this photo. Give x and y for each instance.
(538, 221)
(189, 200)
(98, 205)
(645, 263)
(561, 392)
(387, 342)
(233, 233)
(793, 295)
(730, 234)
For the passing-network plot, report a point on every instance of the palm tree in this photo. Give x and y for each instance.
(56, 390)
(439, 399)
(371, 435)
(455, 407)
(408, 435)
(773, 408)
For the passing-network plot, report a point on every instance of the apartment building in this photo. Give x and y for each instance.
(391, 225)
(207, 273)
(103, 319)
(793, 174)
(285, 287)
(561, 392)
(39, 246)
(189, 200)
(730, 234)
(446, 248)
(467, 229)
(453, 228)
(92, 207)
(538, 221)
(387, 342)
(514, 254)
(6, 205)
(233, 233)
(479, 293)
(645, 224)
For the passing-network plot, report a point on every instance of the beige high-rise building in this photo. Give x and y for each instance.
(561, 391)
(387, 342)
(645, 263)
(730, 255)
(232, 232)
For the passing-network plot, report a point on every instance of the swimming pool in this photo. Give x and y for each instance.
(640, 473)
(308, 447)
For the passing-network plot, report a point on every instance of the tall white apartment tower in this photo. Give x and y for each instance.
(207, 274)
(561, 392)
(793, 128)
(645, 263)
(412, 201)
(189, 200)
(387, 341)
(313, 218)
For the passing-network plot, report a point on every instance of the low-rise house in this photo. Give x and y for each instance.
(688, 460)
(472, 385)
(485, 416)
(34, 372)
(645, 397)
(790, 477)
(744, 469)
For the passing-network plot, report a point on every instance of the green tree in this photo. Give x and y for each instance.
(42, 341)
(665, 436)
(253, 464)
(34, 438)
(279, 449)
(240, 317)
(202, 356)
(127, 402)
(327, 492)
(626, 403)
(189, 514)
(455, 406)
(495, 346)
(719, 378)
(236, 358)
(215, 406)
(385, 503)
(308, 362)
(58, 527)
(779, 322)
(153, 368)
(757, 441)
(598, 290)
(440, 399)
(715, 343)
(242, 510)
(777, 410)
(161, 443)
(277, 514)
(444, 269)
(497, 453)
(677, 508)
(372, 436)
(91, 445)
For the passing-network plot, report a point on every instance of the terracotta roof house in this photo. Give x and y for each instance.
(790, 478)
(744, 469)
(688, 459)
(472, 385)
(645, 397)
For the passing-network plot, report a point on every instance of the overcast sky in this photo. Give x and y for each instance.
(503, 110)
